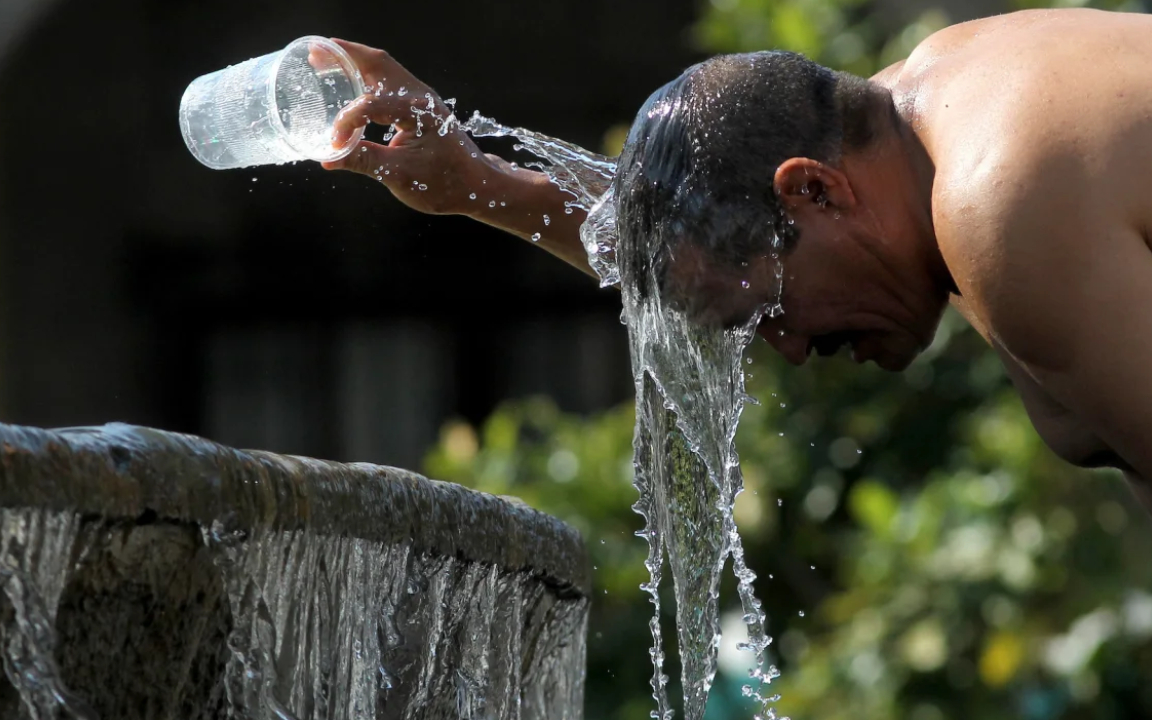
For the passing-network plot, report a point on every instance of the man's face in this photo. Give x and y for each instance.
(836, 294)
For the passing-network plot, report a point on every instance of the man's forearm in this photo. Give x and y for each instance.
(527, 204)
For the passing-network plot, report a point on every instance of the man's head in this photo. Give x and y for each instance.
(753, 170)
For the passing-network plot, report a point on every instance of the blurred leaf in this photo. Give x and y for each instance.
(1001, 659)
(874, 506)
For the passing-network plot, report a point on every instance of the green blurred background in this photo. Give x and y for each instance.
(920, 553)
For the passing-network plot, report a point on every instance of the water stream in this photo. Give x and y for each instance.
(689, 397)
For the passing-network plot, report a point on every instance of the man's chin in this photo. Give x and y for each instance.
(896, 364)
(888, 361)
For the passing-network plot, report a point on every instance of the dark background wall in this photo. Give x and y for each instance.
(289, 308)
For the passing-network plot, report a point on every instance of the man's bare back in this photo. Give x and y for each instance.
(1040, 126)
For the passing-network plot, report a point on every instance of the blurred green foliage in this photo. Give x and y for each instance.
(920, 553)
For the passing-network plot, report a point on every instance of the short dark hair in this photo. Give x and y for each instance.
(702, 153)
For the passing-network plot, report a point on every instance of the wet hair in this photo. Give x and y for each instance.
(702, 154)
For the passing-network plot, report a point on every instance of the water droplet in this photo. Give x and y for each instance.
(503, 204)
(780, 502)
(473, 154)
(748, 360)
(492, 204)
(402, 91)
(536, 237)
(547, 221)
(472, 196)
(568, 211)
(801, 613)
(423, 186)
(253, 179)
(745, 284)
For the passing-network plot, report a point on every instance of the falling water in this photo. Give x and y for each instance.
(690, 393)
(321, 626)
(36, 549)
(584, 175)
(689, 396)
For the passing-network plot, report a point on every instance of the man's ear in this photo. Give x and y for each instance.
(803, 181)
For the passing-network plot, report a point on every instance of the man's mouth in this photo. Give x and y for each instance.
(830, 344)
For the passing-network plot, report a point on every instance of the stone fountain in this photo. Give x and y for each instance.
(153, 575)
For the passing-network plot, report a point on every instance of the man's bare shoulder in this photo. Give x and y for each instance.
(1035, 81)
(1030, 185)
(1028, 237)
(989, 222)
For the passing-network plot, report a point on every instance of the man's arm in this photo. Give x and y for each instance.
(1065, 287)
(447, 174)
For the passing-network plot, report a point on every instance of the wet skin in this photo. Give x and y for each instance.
(1015, 185)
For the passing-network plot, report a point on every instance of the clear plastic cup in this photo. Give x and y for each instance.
(272, 109)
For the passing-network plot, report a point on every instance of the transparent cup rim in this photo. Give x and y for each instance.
(349, 68)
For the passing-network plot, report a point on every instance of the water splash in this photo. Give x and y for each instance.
(689, 397)
(690, 392)
(689, 379)
(584, 175)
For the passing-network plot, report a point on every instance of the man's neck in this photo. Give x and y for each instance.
(917, 174)
(894, 179)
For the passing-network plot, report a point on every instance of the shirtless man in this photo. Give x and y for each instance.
(1005, 167)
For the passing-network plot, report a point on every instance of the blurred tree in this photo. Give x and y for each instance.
(920, 553)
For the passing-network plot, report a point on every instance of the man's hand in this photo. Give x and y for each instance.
(433, 166)
(429, 164)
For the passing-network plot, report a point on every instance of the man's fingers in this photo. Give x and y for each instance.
(383, 109)
(322, 57)
(368, 158)
(375, 65)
